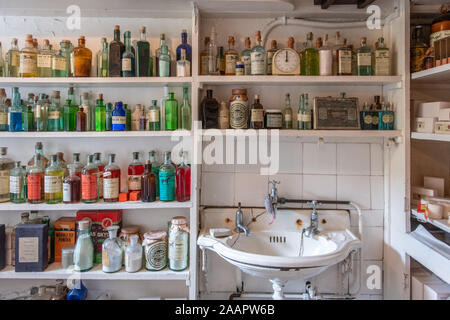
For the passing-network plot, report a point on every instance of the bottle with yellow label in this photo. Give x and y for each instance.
(28, 59)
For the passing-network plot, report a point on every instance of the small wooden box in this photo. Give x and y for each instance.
(336, 113)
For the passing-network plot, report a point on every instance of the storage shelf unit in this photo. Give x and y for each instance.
(311, 133)
(95, 134)
(439, 74)
(441, 224)
(430, 136)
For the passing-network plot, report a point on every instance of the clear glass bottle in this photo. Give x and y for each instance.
(6, 164)
(135, 116)
(310, 58)
(246, 57)
(171, 112)
(164, 61)
(306, 116)
(17, 185)
(185, 111)
(183, 65)
(344, 60)
(382, 59)
(152, 156)
(128, 58)
(154, 122)
(89, 181)
(185, 46)
(15, 120)
(101, 168)
(103, 60)
(13, 57)
(270, 53)
(81, 59)
(83, 254)
(119, 117)
(287, 113)
(258, 57)
(62, 163)
(212, 53)
(148, 184)
(224, 116)
(204, 58)
(35, 181)
(135, 171)
(53, 179)
(72, 186)
(55, 114)
(28, 59)
(337, 44)
(39, 148)
(100, 114)
(66, 49)
(325, 58)
(3, 111)
(41, 113)
(44, 60)
(112, 251)
(111, 180)
(142, 55)
(116, 50)
(183, 180)
(167, 179)
(364, 56)
(133, 255)
(178, 244)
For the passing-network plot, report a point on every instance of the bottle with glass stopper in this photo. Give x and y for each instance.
(112, 251)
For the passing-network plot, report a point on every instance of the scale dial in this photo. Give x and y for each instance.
(286, 61)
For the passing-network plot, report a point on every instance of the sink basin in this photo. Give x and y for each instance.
(275, 254)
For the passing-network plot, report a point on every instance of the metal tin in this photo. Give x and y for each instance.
(273, 119)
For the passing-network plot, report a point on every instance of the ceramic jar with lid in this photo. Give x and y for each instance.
(239, 109)
(155, 250)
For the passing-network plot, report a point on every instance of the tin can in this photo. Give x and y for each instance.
(155, 250)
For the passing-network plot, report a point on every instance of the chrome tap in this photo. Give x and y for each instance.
(313, 228)
(271, 201)
(239, 222)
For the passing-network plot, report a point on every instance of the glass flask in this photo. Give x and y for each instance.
(133, 255)
(178, 244)
(112, 251)
(83, 255)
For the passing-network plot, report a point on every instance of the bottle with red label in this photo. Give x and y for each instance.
(35, 181)
(111, 180)
(135, 171)
(101, 167)
(183, 180)
(89, 181)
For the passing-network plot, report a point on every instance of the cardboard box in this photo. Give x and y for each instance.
(444, 114)
(434, 183)
(425, 125)
(31, 247)
(442, 127)
(431, 109)
(65, 231)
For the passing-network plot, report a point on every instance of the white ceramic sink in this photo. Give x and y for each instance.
(273, 251)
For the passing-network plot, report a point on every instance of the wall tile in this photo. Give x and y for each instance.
(290, 186)
(290, 157)
(353, 159)
(320, 187)
(371, 218)
(377, 192)
(355, 189)
(319, 158)
(251, 189)
(217, 188)
(376, 160)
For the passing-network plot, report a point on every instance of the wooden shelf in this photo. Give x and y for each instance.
(101, 205)
(441, 224)
(312, 133)
(430, 136)
(94, 134)
(439, 75)
(54, 271)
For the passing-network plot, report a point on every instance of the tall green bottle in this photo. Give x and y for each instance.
(70, 116)
(185, 111)
(128, 117)
(171, 112)
(100, 114)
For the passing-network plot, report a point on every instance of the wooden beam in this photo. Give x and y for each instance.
(364, 3)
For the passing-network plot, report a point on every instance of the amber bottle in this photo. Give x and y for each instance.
(81, 59)
(148, 184)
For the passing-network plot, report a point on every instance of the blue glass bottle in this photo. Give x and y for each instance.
(15, 112)
(119, 117)
(184, 45)
(78, 292)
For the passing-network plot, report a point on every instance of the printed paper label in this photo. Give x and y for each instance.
(111, 188)
(4, 182)
(258, 63)
(28, 250)
(382, 63)
(126, 64)
(364, 59)
(54, 115)
(230, 63)
(15, 59)
(34, 185)
(44, 61)
(59, 64)
(67, 192)
(3, 118)
(257, 115)
(177, 250)
(52, 184)
(345, 61)
(119, 120)
(153, 115)
(134, 182)
(89, 186)
(28, 63)
(247, 60)
(15, 184)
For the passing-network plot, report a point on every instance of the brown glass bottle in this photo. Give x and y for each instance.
(72, 187)
(81, 59)
(81, 120)
(210, 111)
(148, 184)
(257, 114)
(116, 49)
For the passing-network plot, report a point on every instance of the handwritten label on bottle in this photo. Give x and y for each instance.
(111, 188)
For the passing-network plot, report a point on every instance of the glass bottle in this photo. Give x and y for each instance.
(108, 117)
(35, 181)
(257, 114)
(382, 59)
(6, 164)
(152, 156)
(135, 171)
(44, 60)
(148, 184)
(171, 112)
(81, 59)
(154, 123)
(162, 41)
(287, 113)
(231, 57)
(77, 165)
(111, 180)
(224, 116)
(183, 180)
(270, 53)
(306, 116)
(418, 50)
(13, 57)
(55, 115)
(344, 60)
(258, 57)
(62, 163)
(15, 112)
(310, 58)
(59, 65)
(101, 168)
(81, 120)
(118, 117)
(167, 179)
(28, 120)
(116, 50)
(127, 117)
(183, 65)
(89, 182)
(3, 111)
(53, 180)
(112, 251)
(100, 114)
(185, 111)
(3, 66)
(364, 56)
(164, 61)
(143, 120)
(39, 148)
(325, 58)
(337, 44)
(133, 255)
(17, 185)
(212, 53)
(41, 113)
(204, 58)
(210, 111)
(72, 186)
(178, 244)
(83, 254)
(28, 59)
(188, 49)
(66, 49)
(128, 58)
(220, 60)
(246, 57)
(387, 117)
(142, 55)
(89, 111)
(135, 116)
(103, 60)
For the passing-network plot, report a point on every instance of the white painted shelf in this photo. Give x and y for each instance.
(430, 136)
(54, 271)
(112, 82)
(441, 224)
(94, 134)
(101, 205)
(299, 80)
(439, 74)
(313, 133)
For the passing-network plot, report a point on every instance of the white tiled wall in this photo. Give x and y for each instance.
(330, 171)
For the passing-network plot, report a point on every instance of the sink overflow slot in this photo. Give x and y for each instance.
(277, 239)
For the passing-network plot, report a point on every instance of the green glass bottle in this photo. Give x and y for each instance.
(364, 59)
(66, 48)
(164, 62)
(108, 117)
(154, 121)
(128, 117)
(152, 156)
(41, 113)
(171, 112)
(306, 117)
(28, 119)
(287, 113)
(167, 179)
(70, 116)
(310, 58)
(142, 55)
(103, 60)
(301, 107)
(53, 179)
(185, 111)
(51, 236)
(59, 65)
(100, 114)
(54, 120)
(17, 185)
